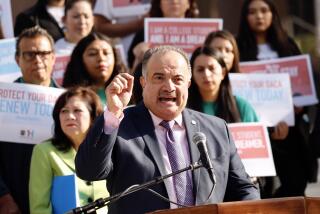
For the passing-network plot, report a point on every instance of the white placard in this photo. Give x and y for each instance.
(6, 18)
(269, 95)
(9, 70)
(26, 112)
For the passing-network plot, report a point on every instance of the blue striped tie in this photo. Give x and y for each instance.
(182, 182)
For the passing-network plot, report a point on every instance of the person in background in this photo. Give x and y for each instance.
(210, 90)
(45, 13)
(78, 23)
(224, 43)
(94, 62)
(262, 37)
(147, 140)
(35, 56)
(160, 8)
(74, 112)
(114, 25)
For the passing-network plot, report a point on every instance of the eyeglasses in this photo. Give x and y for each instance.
(31, 55)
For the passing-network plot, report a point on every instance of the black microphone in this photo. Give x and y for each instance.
(200, 140)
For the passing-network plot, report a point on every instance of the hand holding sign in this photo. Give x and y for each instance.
(281, 131)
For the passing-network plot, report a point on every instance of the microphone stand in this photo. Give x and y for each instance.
(93, 206)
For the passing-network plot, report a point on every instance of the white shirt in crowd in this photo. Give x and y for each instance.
(104, 8)
(265, 52)
(57, 13)
(64, 47)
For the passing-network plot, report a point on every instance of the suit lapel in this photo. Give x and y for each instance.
(192, 126)
(145, 125)
(201, 181)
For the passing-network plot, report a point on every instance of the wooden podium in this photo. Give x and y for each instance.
(290, 205)
(312, 205)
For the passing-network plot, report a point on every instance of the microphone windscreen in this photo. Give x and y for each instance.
(198, 137)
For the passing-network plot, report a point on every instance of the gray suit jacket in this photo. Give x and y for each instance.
(131, 155)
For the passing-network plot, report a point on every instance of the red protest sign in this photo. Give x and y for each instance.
(185, 33)
(250, 141)
(60, 67)
(300, 72)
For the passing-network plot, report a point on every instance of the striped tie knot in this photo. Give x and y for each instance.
(169, 133)
(165, 124)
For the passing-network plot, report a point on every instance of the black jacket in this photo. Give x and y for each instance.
(38, 15)
(3, 188)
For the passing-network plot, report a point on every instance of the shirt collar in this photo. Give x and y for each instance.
(53, 83)
(157, 120)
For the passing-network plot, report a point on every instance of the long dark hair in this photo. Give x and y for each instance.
(276, 36)
(192, 12)
(224, 34)
(76, 71)
(226, 103)
(60, 139)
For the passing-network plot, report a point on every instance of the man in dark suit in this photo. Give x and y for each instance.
(129, 146)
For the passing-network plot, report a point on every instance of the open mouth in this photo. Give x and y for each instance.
(166, 99)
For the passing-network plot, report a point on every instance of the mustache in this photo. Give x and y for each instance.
(168, 94)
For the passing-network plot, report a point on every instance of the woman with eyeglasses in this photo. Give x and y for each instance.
(210, 90)
(94, 62)
(73, 114)
(261, 37)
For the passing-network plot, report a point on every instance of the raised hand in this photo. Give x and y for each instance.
(118, 93)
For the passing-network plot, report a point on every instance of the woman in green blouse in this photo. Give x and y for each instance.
(73, 114)
(210, 91)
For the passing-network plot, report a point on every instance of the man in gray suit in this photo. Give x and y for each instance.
(128, 146)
